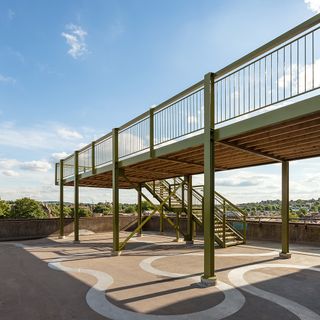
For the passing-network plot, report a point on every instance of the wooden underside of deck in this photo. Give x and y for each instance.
(294, 139)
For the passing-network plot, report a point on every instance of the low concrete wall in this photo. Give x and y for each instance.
(271, 231)
(39, 228)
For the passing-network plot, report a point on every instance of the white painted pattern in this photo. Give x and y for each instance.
(236, 277)
(98, 302)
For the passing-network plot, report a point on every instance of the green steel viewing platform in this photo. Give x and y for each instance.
(263, 108)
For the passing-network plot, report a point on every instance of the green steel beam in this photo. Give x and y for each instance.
(139, 209)
(115, 191)
(161, 220)
(61, 203)
(209, 277)
(285, 211)
(156, 208)
(251, 151)
(283, 114)
(93, 157)
(151, 132)
(76, 196)
(189, 237)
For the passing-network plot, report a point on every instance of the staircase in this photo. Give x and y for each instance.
(225, 211)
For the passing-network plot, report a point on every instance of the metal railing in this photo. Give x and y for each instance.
(134, 138)
(284, 73)
(283, 69)
(103, 151)
(180, 118)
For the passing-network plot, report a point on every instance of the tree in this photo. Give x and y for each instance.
(129, 209)
(27, 208)
(4, 209)
(83, 212)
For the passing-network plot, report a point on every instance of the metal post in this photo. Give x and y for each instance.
(139, 209)
(189, 238)
(115, 191)
(178, 226)
(161, 219)
(76, 196)
(61, 220)
(224, 224)
(151, 133)
(209, 277)
(93, 157)
(285, 211)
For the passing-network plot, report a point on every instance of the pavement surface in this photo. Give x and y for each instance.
(155, 279)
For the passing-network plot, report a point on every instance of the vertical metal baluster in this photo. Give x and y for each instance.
(265, 81)
(254, 86)
(259, 83)
(249, 85)
(284, 72)
(277, 75)
(291, 80)
(271, 79)
(313, 62)
(298, 67)
(244, 90)
(238, 72)
(305, 63)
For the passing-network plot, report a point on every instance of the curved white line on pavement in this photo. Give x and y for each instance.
(236, 277)
(265, 254)
(98, 302)
(231, 304)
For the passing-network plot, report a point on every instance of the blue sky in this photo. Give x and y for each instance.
(70, 71)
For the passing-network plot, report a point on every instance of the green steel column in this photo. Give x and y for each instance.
(189, 237)
(93, 157)
(209, 277)
(61, 220)
(161, 219)
(139, 209)
(285, 211)
(115, 191)
(76, 196)
(151, 132)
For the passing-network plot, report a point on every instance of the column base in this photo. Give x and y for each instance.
(189, 242)
(208, 282)
(284, 255)
(61, 237)
(115, 253)
(76, 241)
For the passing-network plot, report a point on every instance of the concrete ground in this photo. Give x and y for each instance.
(155, 278)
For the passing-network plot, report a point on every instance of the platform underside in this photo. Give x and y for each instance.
(293, 139)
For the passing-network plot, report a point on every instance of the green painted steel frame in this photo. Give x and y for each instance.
(209, 178)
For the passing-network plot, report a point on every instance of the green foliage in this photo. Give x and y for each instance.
(130, 209)
(27, 208)
(83, 212)
(4, 209)
(101, 207)
(145, 205)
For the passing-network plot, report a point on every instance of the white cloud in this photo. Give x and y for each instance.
(75, 38)
(57, 156)
(313, 5)
(8, 163)
(6, 79)
(36, 165)
(69, 134)
(10, 173)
